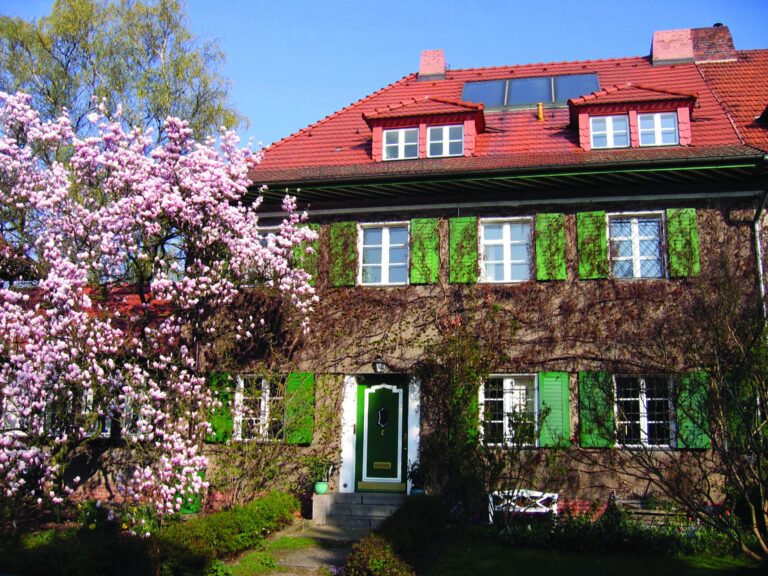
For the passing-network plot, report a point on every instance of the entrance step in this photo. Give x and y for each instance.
(359, 510)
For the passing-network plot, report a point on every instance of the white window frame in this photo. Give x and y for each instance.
(262, 417)
(399, 146)
(440, 135)
(609, 132)
(636, 258)
(506, 243)
(657, 130)
(509, 403)
(643, 418)
(385, 247)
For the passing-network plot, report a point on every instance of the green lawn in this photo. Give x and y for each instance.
(465, 556)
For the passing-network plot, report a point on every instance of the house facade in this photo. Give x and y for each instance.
(568, 215)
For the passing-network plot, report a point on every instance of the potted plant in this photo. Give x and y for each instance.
(416, 476)
(318, 471)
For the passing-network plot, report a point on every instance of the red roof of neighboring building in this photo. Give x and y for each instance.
(339, 146)
(629, 93)
(742, 87)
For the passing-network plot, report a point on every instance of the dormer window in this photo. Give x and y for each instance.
(658, 129)
(445, 141)
(609, 131)
(401, 144)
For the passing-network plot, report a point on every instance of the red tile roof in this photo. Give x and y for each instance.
(339, 145)
(629, 93)
(742, 87)
(426, 106)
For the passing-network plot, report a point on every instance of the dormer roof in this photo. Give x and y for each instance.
(426, 106)
(631, 93)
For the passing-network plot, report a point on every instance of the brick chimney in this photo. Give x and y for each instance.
(713, 44)
(432, 66)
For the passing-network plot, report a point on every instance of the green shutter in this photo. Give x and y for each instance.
(308, 260)
(554, 398)
(222, 385)
(683, 239)
(592, 245)
(692, 411)
(425, 251)
(299, 407)
(550, 247)
(343, 254)
(463, 257)
(596, 418)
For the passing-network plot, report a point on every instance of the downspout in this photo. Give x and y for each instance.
(758, 234)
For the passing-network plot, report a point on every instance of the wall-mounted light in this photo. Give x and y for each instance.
(379, 366)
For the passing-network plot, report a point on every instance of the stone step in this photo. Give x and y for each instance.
(363, 510)
(368, 510)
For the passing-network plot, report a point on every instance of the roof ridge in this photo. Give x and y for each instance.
(350, 106)
(550, 63)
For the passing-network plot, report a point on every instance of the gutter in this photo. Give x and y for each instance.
(757, 224)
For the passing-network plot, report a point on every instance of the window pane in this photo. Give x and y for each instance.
(436, 149)
(411, 151)
(372, 236)
(494, 272)
(646, 121)
(456, 148)
(658, 410)
(620, 140)
(649, 227)
(650, 269)
(622, 269)
(391, 137)
(657, 387)
(647, 138)
(372, 256)
(621, 249)
(390, 153)
(398, 275)
(371, 274)
(599, 141)
(575, 85)
(492, 231)
(520, 272)
(490, 93)
(621, 228)
(519, 252)
(529, 91)
(630, 433)
(494, 388)
(669, 137)
(599, 124)
(411, 136)
(627, 387)
(620, 123)
(494, 432)
(494, 253)
(658, 433)
(669, 122)
(519, 231)
(456, 132)
(398, 235)
(398, 255)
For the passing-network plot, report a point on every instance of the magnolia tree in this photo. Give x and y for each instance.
(129, 248)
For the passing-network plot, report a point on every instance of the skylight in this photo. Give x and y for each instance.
(525, 92)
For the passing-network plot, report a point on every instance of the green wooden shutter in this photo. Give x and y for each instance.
(299, 407)
(223, 386)
(343, 254)
(308, 260)
(550, 247)
(554, 397)
(683, 240)
(592, 245)
(692, 411)
(425, 251)
(596, 417)
(463, 248)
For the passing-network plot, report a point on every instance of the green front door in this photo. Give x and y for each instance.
(381, 436)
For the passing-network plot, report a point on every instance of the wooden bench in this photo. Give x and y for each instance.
(521, 502)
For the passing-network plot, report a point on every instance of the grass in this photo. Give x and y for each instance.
(463, 555)
(256, 562)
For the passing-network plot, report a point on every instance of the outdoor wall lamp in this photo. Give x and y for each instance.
(379, 366)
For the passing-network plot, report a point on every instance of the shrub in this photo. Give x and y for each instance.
(374, 556)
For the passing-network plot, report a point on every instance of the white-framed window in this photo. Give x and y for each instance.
(445, 141)
(258, 409)
(509, 410)
(658, 129)
(384, 254)
(644, 411)
(609, 131)
(401, 144)
(505, 250)
(636, 245)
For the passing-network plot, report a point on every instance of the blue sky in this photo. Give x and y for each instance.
(293, 62)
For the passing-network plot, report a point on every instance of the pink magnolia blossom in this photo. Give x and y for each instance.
(165, 226)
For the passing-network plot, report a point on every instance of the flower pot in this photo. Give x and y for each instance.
(321, 487)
